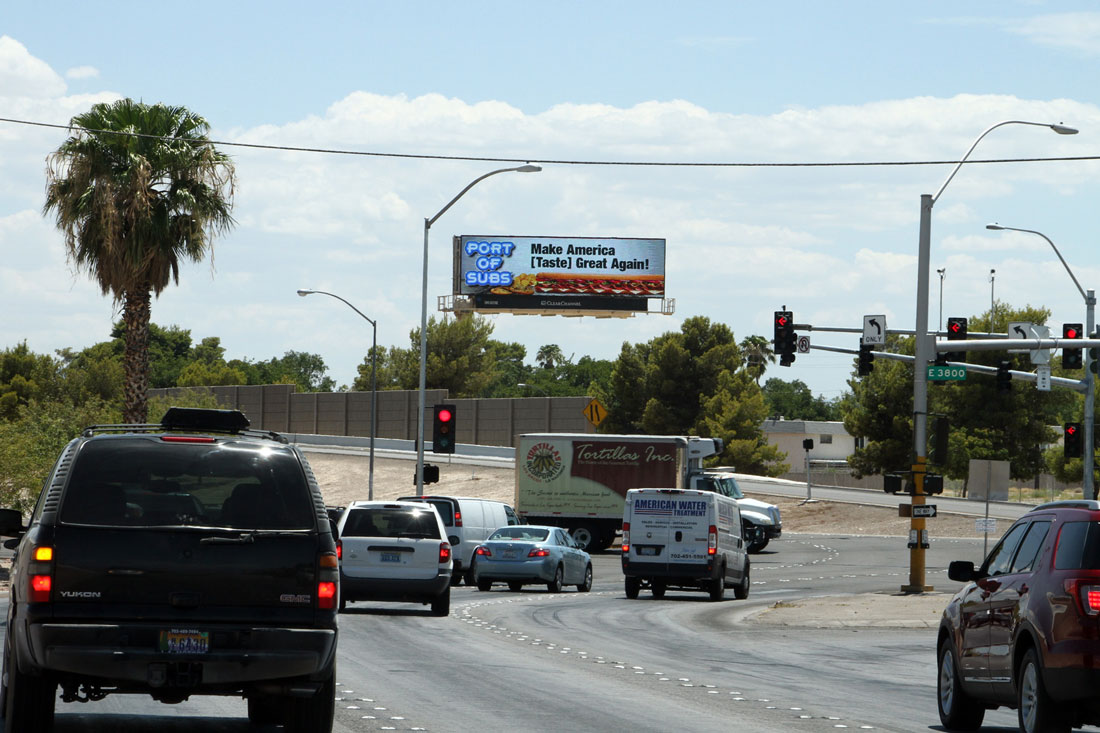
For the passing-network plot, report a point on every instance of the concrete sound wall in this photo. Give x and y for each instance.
(280, 408)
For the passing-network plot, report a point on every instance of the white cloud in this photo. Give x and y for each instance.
(23, 75)
(82, 72)
(1078, 32)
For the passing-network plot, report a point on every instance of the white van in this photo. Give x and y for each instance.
(683, 538)
(469, 521)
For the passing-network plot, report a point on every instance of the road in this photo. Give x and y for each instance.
(532, 661)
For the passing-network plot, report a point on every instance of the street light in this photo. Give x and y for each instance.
(1087, 459)
(373, 383)
(924, 349)
(941, 272)
(532, 386)
(529, 168)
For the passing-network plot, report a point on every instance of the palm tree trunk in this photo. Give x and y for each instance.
(135, 360)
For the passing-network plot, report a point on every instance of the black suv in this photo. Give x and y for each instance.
(193, 557)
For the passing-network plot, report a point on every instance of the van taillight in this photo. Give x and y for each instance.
(444, 553)
(712, 540)
(40, 573)
(326, 595)
(626, 536)
(458, 518)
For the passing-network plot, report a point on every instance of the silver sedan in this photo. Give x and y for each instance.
(527, 553)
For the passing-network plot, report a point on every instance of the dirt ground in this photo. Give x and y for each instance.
(344, 479)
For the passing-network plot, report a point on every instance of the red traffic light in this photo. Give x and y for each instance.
(1071, 430)
(781, 320)
(444, 415)
(954, 327)
(1072, 333)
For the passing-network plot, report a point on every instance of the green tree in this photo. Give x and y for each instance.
(879, 410)
(794, 401)
(202, 374)
(24, 376)
(656, 387)
(758, 355)
(549, 356)
(735, 413)
(135, 190)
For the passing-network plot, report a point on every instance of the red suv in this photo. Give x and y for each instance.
(1024, 632)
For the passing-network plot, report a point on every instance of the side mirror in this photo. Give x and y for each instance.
(962, 571)
(11, 523)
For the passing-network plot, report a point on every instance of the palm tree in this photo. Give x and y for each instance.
(549, 355)
(758, 354)
(135, 190)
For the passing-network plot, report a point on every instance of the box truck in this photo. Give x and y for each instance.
(579, 481)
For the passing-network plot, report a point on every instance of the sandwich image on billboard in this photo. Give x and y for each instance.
(560, 272)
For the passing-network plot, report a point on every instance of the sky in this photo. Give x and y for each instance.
(417, 90)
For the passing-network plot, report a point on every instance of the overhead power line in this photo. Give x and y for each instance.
(553, 161)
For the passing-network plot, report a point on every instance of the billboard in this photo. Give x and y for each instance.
(583, 273)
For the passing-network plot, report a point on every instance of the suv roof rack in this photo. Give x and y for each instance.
(192, 419)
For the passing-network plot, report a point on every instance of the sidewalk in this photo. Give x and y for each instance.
(866, 610)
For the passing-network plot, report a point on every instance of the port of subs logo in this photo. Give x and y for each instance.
(543, 462)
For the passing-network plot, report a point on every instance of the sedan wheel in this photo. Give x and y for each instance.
(587, 584)
(554, 586)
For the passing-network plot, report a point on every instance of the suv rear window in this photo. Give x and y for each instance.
(147, 482)
(391, 522)
(1078, 546)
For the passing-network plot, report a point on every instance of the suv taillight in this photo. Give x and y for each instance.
(444, 552)
(328, 563)
(712, 540)
(1087, 593)
(40, 574)
(626, 537)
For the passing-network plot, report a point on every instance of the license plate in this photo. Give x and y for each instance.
(509, 555)
(391, 557)
(647, 550)
(184, 641)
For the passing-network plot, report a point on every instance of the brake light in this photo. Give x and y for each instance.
(339, 549)
(483, 551)
(40, 574)
(712, 540)
(626, 536)
(186, 439)
(444, 553)
(1087, 594)
(538, 552)
(326, 595)
(458, 518)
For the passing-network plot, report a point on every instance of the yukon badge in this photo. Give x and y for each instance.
(83, 594)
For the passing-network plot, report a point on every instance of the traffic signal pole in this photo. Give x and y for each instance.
(1088, 484)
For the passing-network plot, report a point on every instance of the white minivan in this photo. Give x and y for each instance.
(468, 521)
(683, 538)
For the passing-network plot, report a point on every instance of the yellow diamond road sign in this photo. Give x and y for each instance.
(595, 412)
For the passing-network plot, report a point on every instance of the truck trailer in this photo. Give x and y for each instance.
(579, 481)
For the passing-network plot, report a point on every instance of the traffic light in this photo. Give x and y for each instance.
(1072, 358)
(443, 429)
(866, 360)
(956, 331)
(785, 338)
(1072, 438)
(1004, 377)
(933, 483)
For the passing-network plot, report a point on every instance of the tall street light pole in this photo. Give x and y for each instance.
(1087, 457)
(925, 351)
(373, 382)
(424, 317)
